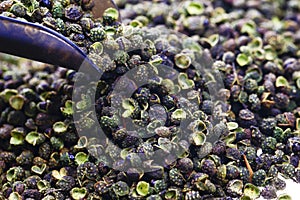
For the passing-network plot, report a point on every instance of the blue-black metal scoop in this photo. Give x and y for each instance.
(37, 42)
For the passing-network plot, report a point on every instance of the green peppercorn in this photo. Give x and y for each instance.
(57, 9)
(97, 34)
(269, 145)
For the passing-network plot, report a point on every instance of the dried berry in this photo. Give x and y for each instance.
(232, 172)
(208, 166)
(120, 188)
(269, 145)
(288, 170)
(259, 177)
(176, 177)
(269, 192)
(66, 183)
(185, 165)
(87, 170)
(247, 118)
(97, 34)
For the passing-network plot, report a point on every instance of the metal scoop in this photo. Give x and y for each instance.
(39, 43)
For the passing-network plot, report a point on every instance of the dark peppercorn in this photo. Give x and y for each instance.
(19, 187)
(66, 183)
(297, 175)
(244, 174)
(176, 177)
(294, 160)
(5, 131)
(208, 166)
(269, 192)
(219, 148)
(250, 154)
(267, 125)
(87, 170)
(185, 165)
(259, 177)
(288, 170)
(279, 184)
(45, 150)
(233, 153)
(250, 85)
(247, 118)
(269, 145)
(281, 100)
(192, 195)
(31, 181)
(25, 158)
(232, 172)
(273, 171)
(31, 193)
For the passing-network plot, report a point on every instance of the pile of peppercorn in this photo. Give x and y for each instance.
(230, 143)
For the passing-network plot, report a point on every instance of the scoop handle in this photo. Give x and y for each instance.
(38, 43)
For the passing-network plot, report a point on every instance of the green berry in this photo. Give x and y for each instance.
(57, 10)
(97, 34)
(160, 185)
(269, 145)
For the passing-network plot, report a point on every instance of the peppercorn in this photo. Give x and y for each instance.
(25, 158)
(267, 125)
(232, 172)
(97, 34)
(246, 118)
(120, 188)
(250, 85)
(259, 177)
(208, 166)
(273, 171)
(66, 183)
(185, 165)
(31, 181)
(87, 170)
(297, 175)
(192, 195)
(269, 145)
(288, 170)
(269, 192)
(176, 177)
